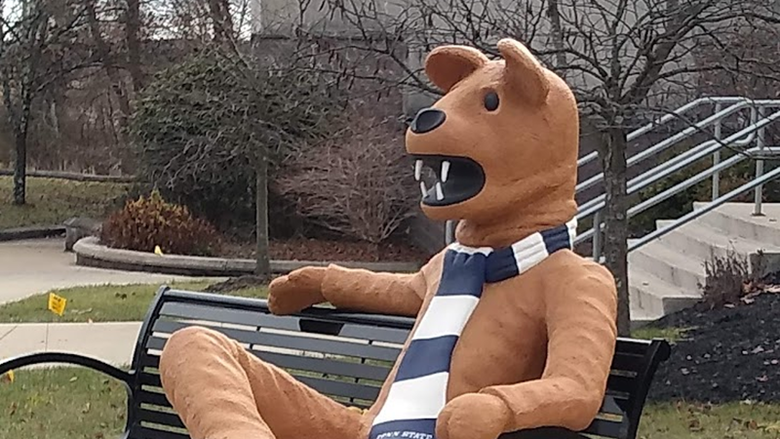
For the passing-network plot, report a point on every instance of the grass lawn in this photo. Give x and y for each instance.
(52, 201)
(73, 403)
(109, 303)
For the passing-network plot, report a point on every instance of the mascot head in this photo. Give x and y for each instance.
(502, 142)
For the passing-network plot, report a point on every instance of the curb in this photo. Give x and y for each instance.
(31, 232)
(90, 253)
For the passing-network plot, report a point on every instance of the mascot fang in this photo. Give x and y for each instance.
(513, 329)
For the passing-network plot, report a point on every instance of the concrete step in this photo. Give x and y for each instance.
(737, 220)
(651, 297)
(679, 270)
(701, 240)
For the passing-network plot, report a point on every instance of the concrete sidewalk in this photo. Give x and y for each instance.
(111, 342)
(37, 266)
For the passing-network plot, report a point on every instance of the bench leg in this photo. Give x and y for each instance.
(221, 391)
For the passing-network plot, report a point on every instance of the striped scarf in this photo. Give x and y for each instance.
(418, 393)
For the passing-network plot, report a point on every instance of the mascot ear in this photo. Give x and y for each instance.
(448, 65)
(524, 73)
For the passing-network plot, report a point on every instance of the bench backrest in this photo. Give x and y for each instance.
(343, 355)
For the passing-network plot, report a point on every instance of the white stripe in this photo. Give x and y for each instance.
(460, 248)
(418, 398)
(572, 226)
(446, 315)
(529, 252)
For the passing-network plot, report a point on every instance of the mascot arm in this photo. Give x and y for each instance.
(581, 328)
(347, 288)
(367, 291)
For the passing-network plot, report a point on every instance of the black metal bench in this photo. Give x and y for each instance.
(344, 355)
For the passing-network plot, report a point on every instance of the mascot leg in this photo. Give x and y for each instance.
(221, 391)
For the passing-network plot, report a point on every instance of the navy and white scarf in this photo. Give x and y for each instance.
(418, 393)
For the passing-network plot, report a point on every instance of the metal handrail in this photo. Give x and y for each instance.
(665, 169)
(769, 176)
(669, 117)
(679, 187)
(669, 142)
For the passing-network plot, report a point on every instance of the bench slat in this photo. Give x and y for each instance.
(605, 428)
(290, 323)
(613, 405)
(327, 386)
(628, 362)
(284, 341)
(143, 432)
(159, 399)
(312, 364)
(617, 383)
(167, 419)
(340, 388)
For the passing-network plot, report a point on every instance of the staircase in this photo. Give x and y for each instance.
(665, 274)
(666, 266)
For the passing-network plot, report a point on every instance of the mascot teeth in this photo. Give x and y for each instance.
(445, 170)
(418, 165)
(423, 189)
(439, 192)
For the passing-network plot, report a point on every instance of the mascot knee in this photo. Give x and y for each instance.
(181, 345)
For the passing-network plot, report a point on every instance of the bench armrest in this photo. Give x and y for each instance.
(66, 358)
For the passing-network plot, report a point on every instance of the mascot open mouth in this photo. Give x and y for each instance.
(446, 180)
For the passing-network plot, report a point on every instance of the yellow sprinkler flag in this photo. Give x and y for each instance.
(57, 304)
(158, 250)
(9, 376)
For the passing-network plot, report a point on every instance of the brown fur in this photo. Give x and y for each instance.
(538, 348)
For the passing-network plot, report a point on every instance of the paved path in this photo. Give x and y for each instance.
(110, 342)
(37, 266)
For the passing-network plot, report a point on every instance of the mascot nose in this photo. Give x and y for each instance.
(427, 120)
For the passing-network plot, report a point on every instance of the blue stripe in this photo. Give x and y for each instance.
(404, 429)
(556, 239)
(501, 265)
(426, 357)
(462, 274)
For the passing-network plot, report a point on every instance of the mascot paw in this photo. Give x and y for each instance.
(473, 416)
(296, 291)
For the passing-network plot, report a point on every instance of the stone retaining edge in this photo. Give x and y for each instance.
(31, 232)
(89, 252)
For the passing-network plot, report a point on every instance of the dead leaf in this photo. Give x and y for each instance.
(758, 350)
(751, 424)
(74, 379)
(86, 408)
(762, 379)
(99, 435)
(694, 425)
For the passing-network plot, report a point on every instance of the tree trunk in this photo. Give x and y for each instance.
(20, 168)
(111, 70)
(263, 266)
(221, 20)
(132, 29)
(613, 161)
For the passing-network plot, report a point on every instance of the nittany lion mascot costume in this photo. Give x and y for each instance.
(513, 331)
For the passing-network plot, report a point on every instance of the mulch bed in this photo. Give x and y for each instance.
(729, 354)
(330, 250)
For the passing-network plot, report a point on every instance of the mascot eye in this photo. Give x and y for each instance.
(491, 101)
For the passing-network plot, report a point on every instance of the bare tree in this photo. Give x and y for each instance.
(35, 51)
(625, 60)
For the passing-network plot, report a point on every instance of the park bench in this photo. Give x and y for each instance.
(344, 355)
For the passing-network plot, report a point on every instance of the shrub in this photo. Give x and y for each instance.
(200, 124)
(357, 183)
(729, 278)
(150, 221)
